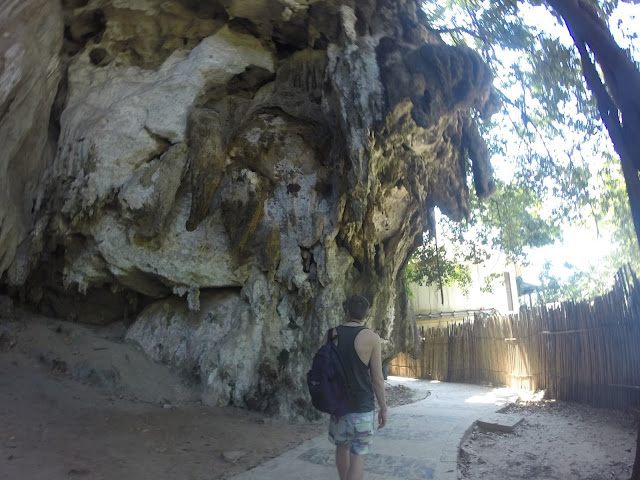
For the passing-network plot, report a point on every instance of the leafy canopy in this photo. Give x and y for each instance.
(552, 155)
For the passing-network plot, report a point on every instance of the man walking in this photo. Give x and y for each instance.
(359, 349)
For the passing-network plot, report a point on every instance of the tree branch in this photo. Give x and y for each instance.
(620, 73)
(459, 30)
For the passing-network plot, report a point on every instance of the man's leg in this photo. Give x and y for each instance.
(361, 437)
(342, 460)
(356, 467)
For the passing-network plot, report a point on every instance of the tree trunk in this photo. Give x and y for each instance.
(618, 97)
(609, 115)
(621, 76)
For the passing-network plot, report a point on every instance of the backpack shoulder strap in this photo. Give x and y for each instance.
(331, 336)
(343, 371)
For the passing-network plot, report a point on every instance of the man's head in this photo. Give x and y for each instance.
(357, 307)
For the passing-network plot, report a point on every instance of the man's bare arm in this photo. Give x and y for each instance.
(377, 379)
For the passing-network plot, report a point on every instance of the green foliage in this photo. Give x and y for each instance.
(509, 222)
(612, 215)
(434, 266)
(578, 286)
(512, 220)
(490, 282)
(550, 139)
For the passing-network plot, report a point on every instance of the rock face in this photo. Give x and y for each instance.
(227, 172)
(30, 70)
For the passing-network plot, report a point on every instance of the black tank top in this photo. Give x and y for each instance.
(358, 376)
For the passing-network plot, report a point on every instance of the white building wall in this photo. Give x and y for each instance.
(428, 299)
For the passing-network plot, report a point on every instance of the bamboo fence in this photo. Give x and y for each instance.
(587, 352)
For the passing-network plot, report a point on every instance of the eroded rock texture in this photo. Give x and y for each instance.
(30, 40)
(228, 172)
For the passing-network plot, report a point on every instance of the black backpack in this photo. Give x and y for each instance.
(327, 381)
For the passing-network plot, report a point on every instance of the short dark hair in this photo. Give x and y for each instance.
(357, 306)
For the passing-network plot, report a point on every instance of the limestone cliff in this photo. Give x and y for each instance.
(224, 173)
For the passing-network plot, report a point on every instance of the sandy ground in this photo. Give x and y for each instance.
(556, 440)
(76, 402)
(64, 420)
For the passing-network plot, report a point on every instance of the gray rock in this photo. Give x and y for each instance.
(233, 455)
(30, 38)
(228, 175)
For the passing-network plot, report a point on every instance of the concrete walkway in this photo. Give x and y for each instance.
(420, 441)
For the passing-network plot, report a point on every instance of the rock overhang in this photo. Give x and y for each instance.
(287, 156)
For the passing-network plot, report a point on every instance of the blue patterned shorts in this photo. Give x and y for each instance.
(354, 428)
